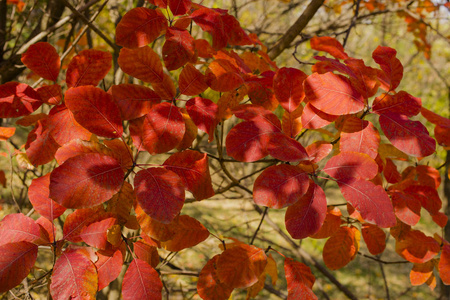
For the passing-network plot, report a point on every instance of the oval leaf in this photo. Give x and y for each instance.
(142, 63)
(189, 232)
(86, 180)
(38, 193)
(42, 59)
(192, 81)
(280, 186)
(160, 193)
(288, 88)
(17, 100)
(88, 68)
(141, 282)
(341, 248)
(351, 165)
(209, 287)
(299, 280)
(134, 100)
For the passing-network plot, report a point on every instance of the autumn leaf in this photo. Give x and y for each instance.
(134, 100)
(189, 232)
(17, 100)
(288, 88)
(141, 282)
(299, 280)
(42, 59)
(329, 45)
(38, 193)
(209, 287)
(390, 64)
(341, 247)
(88, 68)
(109, 266)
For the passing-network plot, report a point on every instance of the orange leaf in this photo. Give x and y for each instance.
(142, 63)
(318, 151)
(189, 232)
(291, 122)
(299, 280)
(241, 266)
(421, 273)
(50, 94)
(6, 133)
(42, 59)
(192, 81)
(147, 253)
(329, 45)
(331, 224)
(139, 27)
(16, 261)
(153, 228)
(122, 202)
(88, 68)
(374, 237)
(416, 247)
(406, 207)
(209, 287)
(341, 248)
(444, 265)
(74, 276)
(141, 282)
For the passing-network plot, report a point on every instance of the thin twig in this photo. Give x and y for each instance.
(353, 23)
(386, 287)
(259, 225)
(383, 261)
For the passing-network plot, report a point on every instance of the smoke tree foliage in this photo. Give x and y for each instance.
(96, 135)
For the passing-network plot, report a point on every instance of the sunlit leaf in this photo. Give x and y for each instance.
(88, 68)
(370, 200)
(141, 282)
(74, 277)
(204, 113)
(94, 234)
(312, 118)
(351, 165)
(50, 94)
(390, 64)
(163, 128)
(333, 94)
(359, 136)
(41, 146)
(160, 193)
(292, 122)
(139, 27)
(374, 237)
(18, 227)
(288, 88)
(16, 261)
(416, 247)
(76, 221)
(86, 180)
(329, 45)
(109, 266)
(17, 100)
(318, 151)
(189, 232)
(38, 193)
(210, 21)
(42, 59)
(142, 63)
(95, 110)
(444, 265)
(153, 228)
(406, 208)
(134, 100)
(400, 103)
(420, 273)
(193, 169)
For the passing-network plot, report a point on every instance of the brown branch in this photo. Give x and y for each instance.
(295, 29)
(352, 24)
(383, 261)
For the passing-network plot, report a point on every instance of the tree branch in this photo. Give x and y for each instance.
(295, 29)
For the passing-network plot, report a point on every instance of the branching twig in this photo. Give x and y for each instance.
(352, 24)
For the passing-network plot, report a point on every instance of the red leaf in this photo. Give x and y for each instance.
(363, 78)
(17, 100)
(416, 247)
(235, 34)
(192, 81)
(179, 7)
(38, 193)
(147, 253)
(204, 113)
(280, 186)
(406, 208)
(160, 193)
(391, 66)
(359, 136)
(94, 234)
(41, 147)
(408, 136)
(223, 76)
(435, 118)
(400, 103)
(329, 45)
(74, 277)
(390, 172)
(370, 200)
(312, 118)
(16, 261)
(189, 232)
(285, 148)
(109, 266)
(306, 216)
(444, 265)
(76, 221)
(331, 224)
(95, 110)
(374, 237)
(299, 280)
(141, 282)
(86, 180)
(193, 169)
(50, 94)
(209, 287)
(134, 100)
(139, 27)
(163, 128)
(318, 151)
(178, 48)
(88, 68)
(79, 147)
(142, 63)
(288, 87)
(341, 248)
(166, 88)
(42, 59)
(351, 165)
(240, 266)
(63, 126)
(18, 227)
(210, 21)
(428, 197)
(421, 273)
(333, 94)
(191, 131)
